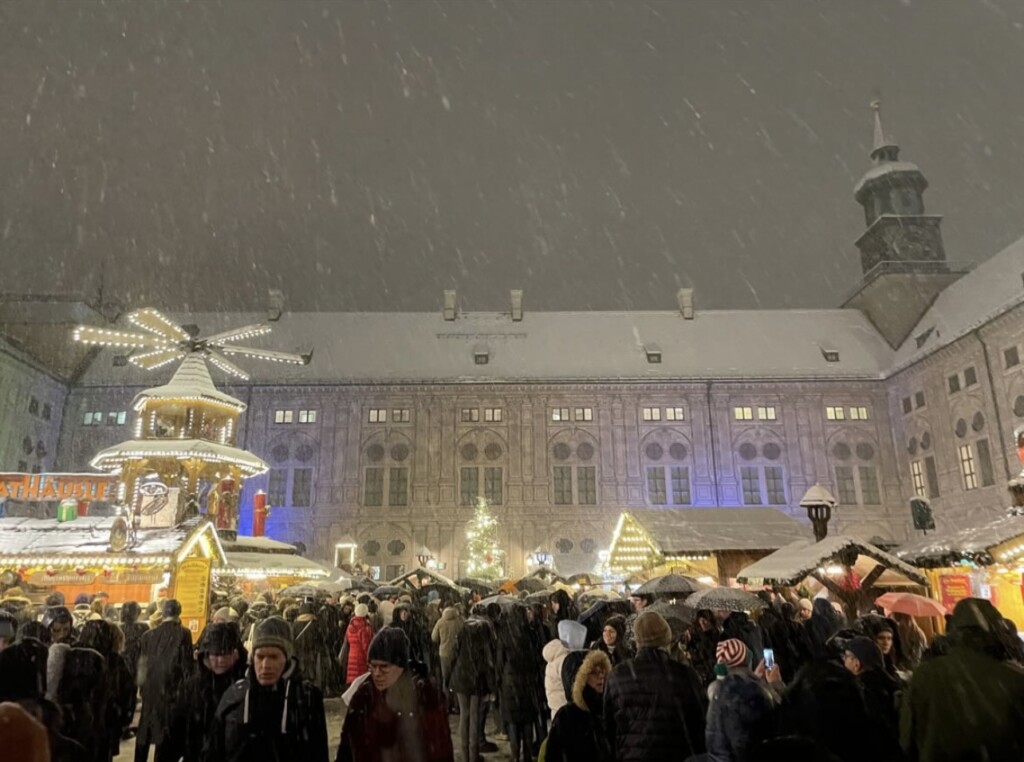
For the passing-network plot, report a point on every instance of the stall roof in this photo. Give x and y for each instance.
(84, 537)
(791, 564)
(262, 564)
(968, 541)
(243, 543)
(690, 530)
(421, 571)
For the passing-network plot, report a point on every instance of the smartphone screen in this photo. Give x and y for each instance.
(769, 658)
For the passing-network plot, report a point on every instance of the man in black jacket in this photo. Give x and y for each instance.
(272, 714)
(165, 663)
(863, 659)
(221, 663)
(654, 707)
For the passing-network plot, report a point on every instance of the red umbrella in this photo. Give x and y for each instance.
(910, 603)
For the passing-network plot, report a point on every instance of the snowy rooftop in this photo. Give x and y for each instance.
(258, 545)
(112, 457)
(979, 538)
(82, 537)
(191, 379)
(791, 564)
(272, 564)
(691, 530)
(988, 290)
(355, 347)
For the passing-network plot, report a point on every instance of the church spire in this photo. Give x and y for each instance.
(883, 150)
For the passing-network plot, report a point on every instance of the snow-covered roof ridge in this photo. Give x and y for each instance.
(191, 380)
(978, 538)
(690, 530)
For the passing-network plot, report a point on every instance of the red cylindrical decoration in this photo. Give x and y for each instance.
(83, 508)
(259, 514)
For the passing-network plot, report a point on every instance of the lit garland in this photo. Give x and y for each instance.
(484, 554)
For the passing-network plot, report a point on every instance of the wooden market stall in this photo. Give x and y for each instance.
(257, 564)
(982, 560)
(848, 567)
(700, 542)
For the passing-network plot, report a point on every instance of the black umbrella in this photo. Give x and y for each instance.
(532, 585)
(725, 598)
(671, 584)
(477, 585)
(505, 601)
(678, 615)
(386, 591)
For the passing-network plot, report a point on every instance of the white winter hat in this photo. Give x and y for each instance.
(362, 610)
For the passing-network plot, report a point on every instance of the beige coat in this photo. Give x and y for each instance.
(446, 629)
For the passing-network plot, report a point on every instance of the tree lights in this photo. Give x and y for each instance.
(485, 559)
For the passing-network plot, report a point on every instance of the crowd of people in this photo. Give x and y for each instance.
(793, 680)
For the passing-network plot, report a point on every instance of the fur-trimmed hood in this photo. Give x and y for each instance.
(593, 660)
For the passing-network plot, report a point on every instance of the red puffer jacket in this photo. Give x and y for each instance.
(358, 636)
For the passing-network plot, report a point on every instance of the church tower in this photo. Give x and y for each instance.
(901, 252)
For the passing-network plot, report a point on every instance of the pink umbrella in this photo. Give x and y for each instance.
(910, 603)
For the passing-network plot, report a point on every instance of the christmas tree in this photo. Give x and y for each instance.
(484, 555)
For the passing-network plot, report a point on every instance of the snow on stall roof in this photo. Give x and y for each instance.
(173, 447)
(191, 379)
(282, 563)
(258, 545)
(789, 565)
(82, 537)
(991, 288)
(978, 538)
(688, 530)
(359, 347)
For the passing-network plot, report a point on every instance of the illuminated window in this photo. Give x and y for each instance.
(378, 415)
(858, 413)
(492, 414)
(835, 413)
(559, 414)
(917, 476)
(469, 415)
(283, 416)
(652, 413)
(584, 413)
(307, 416)
(674, 414)
(400, 415)
(743, 413)
(967, 467)
(766, 413)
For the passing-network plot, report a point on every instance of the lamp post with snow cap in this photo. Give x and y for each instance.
(819, 504)
(424, 556)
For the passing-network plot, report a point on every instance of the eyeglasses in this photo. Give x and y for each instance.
(381, 668)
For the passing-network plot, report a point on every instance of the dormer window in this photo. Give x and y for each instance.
(830, 355)
(653, 352)
(481, 355)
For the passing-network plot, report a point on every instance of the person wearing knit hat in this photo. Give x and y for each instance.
(733, 652)
(273, 713)
(358, 636)
(395, 714)
(653, 705)
(225, 615)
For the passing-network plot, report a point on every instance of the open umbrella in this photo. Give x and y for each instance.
(724, 598)
(584, 579)
(671, 584)
(505, 601)
(594, 617)
(910, 603)
(599, 594)
(305, 590)
(477, 585)
(678, 615)
(386, 591)
(532, 585)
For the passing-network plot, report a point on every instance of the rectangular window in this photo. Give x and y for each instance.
(492, 414)
(122, 416)
(775, 485)
(846, 488)
(835, 413)
(559, 414)
(377, 415)
(652, 413)
(493, 485)
(373, 490)
(1011, 357)
(932, 476)
(307, 416)
(398, 486)
(918, 400)
(112, 418)
(656, 486)
(469, 485)
(766, 413)
(953, 383)
(858, 413)
(584, 413)
(586, 485)
(400, 415)
(970, 376)
(869, 491)
(92, 419)
(988, 477)
(283, 416)
(674, 414)
(302, 487)
(917, 476)
(751, 479)
(967, 467)
(47, 411)
(33, 406)
(743, 413)
(680, 485)
(563, 485)
(277, 487)
(907, 406)
(470, 415)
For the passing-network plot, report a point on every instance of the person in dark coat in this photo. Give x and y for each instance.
(472, 678)
(61, 624)
(165, 663)
(272, 714)
(863, 659)
(395, 713)
(968, 704)
(823, 624)
(612, 642)
(222, 662)
(133, 631)
(577, 733)
(740, 717)
(75, 681)
(517, 668)
(102, 637)
(736, 624)
(311, 646)
(654, 706)
(704, 635)
(329, 620)
(562, 608)
(778, 637)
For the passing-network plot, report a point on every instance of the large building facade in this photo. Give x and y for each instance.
(563, 420)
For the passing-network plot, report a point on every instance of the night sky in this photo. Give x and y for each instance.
(366, 155)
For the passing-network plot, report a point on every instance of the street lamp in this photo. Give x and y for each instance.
(540, 557)
(424, 556)
(819, 504)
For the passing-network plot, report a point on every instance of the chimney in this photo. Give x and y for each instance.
(517, 304)
(449, 304)
(275, 304)
(685, 298)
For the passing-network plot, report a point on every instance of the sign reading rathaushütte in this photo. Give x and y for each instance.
(30, 487)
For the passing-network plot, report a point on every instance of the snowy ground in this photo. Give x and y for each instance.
(335, 715)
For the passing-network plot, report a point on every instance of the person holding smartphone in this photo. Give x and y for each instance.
(741, 702)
